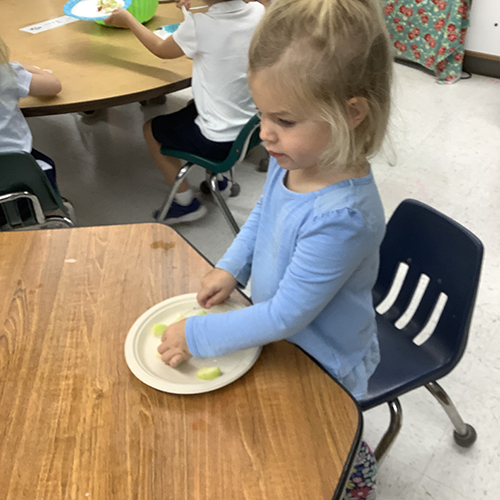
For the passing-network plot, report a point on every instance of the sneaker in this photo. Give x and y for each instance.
(225, 187)
(184, 213)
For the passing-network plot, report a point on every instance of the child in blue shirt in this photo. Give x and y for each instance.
(320, 74)
(18, 80)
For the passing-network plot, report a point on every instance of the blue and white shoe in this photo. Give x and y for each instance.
(184, 213)
(225, 186)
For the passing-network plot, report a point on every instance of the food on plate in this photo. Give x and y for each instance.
(109, 6)
(208, 373)
(158, 329)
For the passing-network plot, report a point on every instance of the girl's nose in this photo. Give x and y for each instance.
(266, 132)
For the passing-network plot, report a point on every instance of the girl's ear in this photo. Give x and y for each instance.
(357, 109)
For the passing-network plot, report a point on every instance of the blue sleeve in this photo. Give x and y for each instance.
(238, 258)
(326, 254)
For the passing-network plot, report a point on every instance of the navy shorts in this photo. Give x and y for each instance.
(47, 165)
(179, 131)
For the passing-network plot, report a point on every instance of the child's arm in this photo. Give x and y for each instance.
(164, 49)
(43, 82)
(216, 286)
(323, 260)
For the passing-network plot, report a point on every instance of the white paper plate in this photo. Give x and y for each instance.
(141, 348)
(87, 9)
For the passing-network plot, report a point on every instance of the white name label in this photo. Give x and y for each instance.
(48, 25)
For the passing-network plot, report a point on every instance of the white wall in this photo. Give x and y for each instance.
(483, 34)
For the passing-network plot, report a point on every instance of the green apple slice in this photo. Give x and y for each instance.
(208, 373)
(158, 329)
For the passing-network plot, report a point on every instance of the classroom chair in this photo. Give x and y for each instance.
(246, 140)
(27, 199)
(424, 296)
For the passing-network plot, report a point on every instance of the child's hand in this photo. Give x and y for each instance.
(120, 18)
(216, 287)
(173, 347)
(183, 3)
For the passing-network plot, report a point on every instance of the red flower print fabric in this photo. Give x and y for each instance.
(430, 33)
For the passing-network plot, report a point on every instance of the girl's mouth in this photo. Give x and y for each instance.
(275, 155)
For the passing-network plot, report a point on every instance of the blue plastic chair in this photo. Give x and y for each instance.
(27, 199)
(246, 140)
(429, 244)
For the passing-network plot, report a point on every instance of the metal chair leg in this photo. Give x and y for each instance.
(57, 221)
(392, 432)
(170, 198)
(214, 187)
(464, 434)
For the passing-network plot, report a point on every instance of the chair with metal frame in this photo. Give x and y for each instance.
(424, 296)
(246, 140)
(27, 199)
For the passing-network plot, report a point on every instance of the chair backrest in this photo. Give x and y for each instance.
(431, 245)
(246, 140)
(20, 173)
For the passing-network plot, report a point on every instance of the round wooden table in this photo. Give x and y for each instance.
(98, 66)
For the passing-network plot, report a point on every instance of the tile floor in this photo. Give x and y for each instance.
(444, 149)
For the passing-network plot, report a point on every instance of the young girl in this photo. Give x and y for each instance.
(16, 81)
(320, 73)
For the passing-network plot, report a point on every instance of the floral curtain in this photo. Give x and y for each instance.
(430, 33)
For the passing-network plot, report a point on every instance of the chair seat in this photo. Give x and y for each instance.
(414, 365)
(246, 140)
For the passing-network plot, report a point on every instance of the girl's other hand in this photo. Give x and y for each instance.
(173, 347)
(120, 18)
(216, 287)
(183, 3)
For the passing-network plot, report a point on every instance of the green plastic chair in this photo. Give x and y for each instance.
(246, 140)
(27, 199)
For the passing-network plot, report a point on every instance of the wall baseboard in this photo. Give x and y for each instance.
(482, 64)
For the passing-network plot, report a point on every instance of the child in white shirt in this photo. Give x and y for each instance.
(217, 41)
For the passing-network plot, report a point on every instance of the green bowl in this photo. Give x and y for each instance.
(142, 10)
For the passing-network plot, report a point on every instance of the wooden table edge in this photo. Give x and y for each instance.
(53, 108)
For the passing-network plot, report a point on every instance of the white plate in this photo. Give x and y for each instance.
(87, 9)
(141, 348)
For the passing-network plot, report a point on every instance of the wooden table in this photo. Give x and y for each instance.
(76, 424)
(98, 66)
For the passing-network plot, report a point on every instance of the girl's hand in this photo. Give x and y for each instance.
(216, 287)
(120, 18)
(183, 3)
(173, 347)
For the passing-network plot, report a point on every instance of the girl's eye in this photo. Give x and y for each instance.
(286, 123)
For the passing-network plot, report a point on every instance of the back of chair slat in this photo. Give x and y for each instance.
(435, 245)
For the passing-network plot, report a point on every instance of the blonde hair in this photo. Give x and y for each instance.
(323, 53)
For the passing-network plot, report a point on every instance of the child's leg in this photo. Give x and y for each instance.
(179, 131)
(362, 482)
(169, 166)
